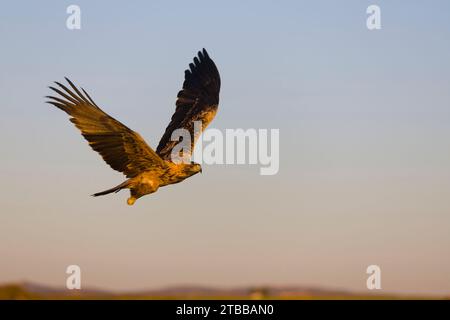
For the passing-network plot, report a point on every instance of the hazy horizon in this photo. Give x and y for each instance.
(364, 145)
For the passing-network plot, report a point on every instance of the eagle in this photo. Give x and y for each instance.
(125, 150)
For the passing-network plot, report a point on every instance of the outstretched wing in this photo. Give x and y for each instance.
(123, 149)
(198, 101)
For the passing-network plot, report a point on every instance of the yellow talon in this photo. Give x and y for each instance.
(131, 201)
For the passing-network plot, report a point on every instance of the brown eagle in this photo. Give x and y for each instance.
(125, 150)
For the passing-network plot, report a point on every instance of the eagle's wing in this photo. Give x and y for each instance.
(198, 101)
(123, 149)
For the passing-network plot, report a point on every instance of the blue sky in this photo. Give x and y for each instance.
(363, 118)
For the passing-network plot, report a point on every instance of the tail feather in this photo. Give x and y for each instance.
(115, 189)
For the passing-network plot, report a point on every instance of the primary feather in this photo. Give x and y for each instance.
(122, 148)
(197, 101)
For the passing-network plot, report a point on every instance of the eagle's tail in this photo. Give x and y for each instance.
(121, 186)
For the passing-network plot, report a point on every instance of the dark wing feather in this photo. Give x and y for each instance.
(198, 101)
(123, 149)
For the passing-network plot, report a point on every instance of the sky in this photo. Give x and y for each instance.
(363, 118)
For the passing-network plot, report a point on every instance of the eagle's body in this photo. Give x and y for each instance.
(150, 181)
(125, 151)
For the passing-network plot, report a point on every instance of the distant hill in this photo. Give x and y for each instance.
(15, 291)
(28, 290)
(272, 291)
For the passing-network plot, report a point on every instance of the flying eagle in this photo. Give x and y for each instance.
(125, 150)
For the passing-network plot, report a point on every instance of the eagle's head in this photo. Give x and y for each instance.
(193, 168)
(182, 171)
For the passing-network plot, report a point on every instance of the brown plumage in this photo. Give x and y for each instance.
(198, 101)
(125, 150)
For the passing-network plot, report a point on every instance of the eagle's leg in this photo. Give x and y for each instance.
(144, 186)
(134, 195)
(131, 200)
